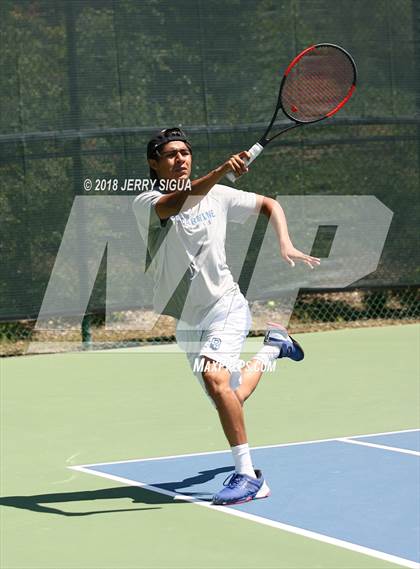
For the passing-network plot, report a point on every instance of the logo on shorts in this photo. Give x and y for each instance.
(215, 343)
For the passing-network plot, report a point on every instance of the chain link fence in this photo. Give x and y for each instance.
(313, 311)
(85, 84)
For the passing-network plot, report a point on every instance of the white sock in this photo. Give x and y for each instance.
(267, 354)
(242, 459)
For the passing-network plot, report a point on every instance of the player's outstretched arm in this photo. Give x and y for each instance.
(235, 163)
(171, 203)
(273, 210)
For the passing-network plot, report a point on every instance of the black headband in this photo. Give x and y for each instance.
(163, 137)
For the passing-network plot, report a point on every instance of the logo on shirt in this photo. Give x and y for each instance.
(204, 218)
(215, 343)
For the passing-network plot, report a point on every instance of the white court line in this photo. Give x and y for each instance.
(383, 447)
(252, 517)
(253, 448)
(386, 433)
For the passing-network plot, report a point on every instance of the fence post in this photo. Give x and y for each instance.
(75, 123)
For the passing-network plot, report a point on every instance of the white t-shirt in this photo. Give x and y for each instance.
(188, 250)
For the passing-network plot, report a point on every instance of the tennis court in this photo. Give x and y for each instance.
(97, 445)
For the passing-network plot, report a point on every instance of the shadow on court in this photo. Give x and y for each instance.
(37, 503)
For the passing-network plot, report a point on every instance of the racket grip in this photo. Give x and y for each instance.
(254, 151)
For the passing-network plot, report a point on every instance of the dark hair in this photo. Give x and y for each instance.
(161, 138)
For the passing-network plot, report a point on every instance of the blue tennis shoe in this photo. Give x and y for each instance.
(240, 488)
(277, 336)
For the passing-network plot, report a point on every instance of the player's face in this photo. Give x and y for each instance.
(174, 161)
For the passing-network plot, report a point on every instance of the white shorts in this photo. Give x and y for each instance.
(219, 336)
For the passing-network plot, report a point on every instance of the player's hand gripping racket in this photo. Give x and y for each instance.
(317, 83)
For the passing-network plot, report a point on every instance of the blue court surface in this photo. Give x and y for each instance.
(361, 493)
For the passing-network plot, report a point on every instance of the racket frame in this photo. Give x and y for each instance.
(264, 140)
(258, 147)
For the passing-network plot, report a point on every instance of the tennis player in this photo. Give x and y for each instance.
(188, 228)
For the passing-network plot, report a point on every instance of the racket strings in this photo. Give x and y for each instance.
(317, 84)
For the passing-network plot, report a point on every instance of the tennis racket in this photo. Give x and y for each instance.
(317, 83)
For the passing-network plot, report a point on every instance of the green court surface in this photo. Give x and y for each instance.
(69, 409)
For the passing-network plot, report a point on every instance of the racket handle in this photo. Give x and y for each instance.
(254, 151)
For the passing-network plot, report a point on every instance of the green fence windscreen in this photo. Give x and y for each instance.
(84, 83)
